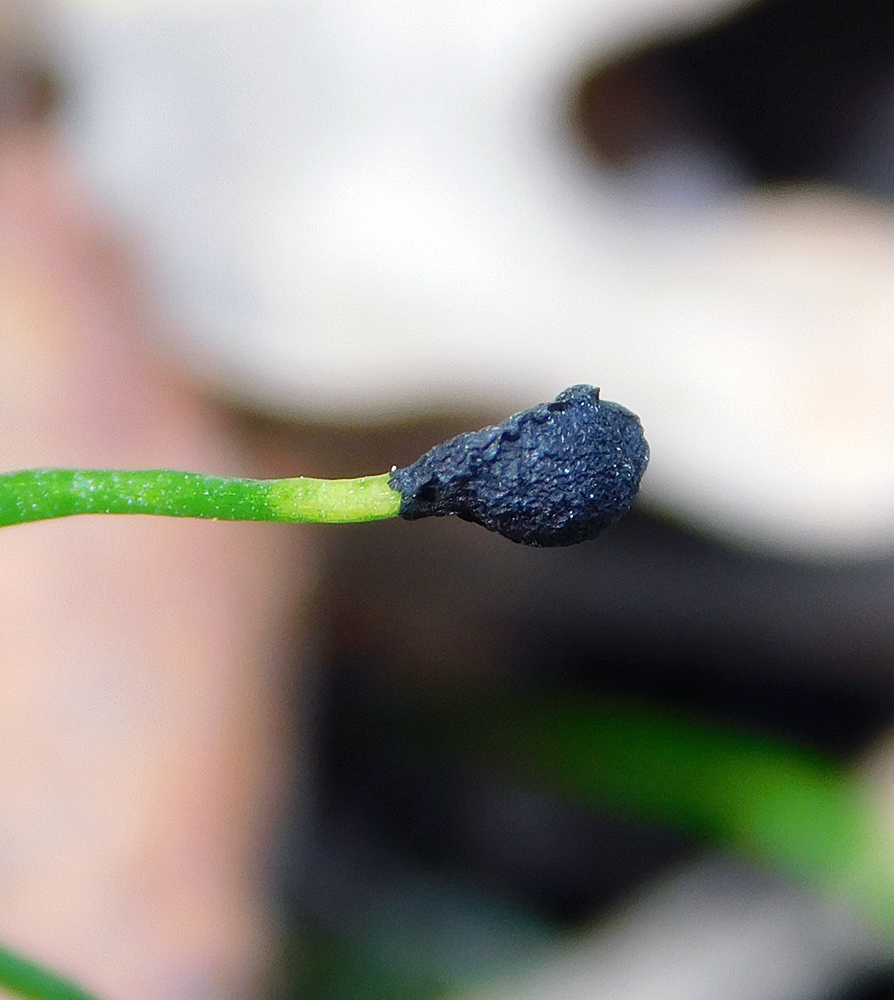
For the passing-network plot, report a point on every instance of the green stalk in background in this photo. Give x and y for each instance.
(20, 977)
(792, 810)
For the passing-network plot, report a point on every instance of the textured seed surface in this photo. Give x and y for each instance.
(557, 474)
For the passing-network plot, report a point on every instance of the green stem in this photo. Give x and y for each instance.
(39, 494)
(21, 977)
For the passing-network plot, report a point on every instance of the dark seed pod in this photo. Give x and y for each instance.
(557, 474)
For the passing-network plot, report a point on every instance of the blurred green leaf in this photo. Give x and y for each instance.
(21, 977)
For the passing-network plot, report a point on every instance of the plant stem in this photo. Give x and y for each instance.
(39, 494)
(21, 977)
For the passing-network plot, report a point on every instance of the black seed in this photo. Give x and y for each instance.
(557, 474)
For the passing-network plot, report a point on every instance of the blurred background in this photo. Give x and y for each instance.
(282, 238)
